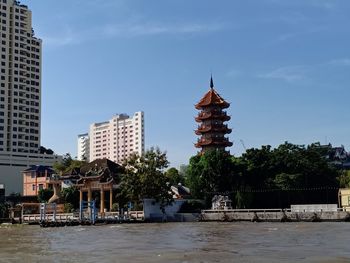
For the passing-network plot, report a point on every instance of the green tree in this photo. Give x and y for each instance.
(344, 179)
(145, 178)
(70, 195)
(209, 174)
(174, 177)
(44, 195)
(4, 210)
(67, 164)
(268, 174)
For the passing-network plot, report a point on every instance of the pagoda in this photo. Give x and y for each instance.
(211, 119)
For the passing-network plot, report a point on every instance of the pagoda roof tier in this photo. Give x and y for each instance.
(213, 128)
(213, 142)
(212, 115)
(212, 98)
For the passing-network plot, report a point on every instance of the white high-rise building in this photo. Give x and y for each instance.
(20, 95)
(20, 81)
(83, 152)
(117, 138)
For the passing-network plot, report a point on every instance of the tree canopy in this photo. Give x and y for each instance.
(67, 164)
(261, 176)
(174, 177)
(145, 178)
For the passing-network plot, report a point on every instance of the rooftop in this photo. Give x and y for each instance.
(212, 98)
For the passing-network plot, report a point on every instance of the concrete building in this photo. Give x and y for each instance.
(36, 178)
(20, 95)
(83, 152)
(115, 139)
(12, 165)
(20, 82)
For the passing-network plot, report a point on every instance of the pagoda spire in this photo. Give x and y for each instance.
(211, 81)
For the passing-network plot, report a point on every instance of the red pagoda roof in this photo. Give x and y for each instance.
(213, 142)
(212, 98)
(212, 115)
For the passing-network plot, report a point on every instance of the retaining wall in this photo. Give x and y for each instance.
(275, 216)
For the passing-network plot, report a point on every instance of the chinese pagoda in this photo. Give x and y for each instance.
(211, 120)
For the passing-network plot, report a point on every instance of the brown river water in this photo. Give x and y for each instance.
(178, 242)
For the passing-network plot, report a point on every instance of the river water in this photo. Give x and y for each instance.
(178, 242)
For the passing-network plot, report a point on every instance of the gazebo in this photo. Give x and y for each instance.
(101, 175)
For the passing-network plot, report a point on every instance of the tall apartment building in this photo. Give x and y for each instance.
(20, 81)
(117, 138)
(20, 95)
(83, 152)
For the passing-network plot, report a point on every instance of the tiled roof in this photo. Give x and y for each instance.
(39, 168)
(101, 164)
(212, 98)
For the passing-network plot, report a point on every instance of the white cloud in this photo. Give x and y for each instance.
(340, 62)
(59, 41)
(71, 37)
(233, 73)
(296, 73)
(289, 74)
(141, 29)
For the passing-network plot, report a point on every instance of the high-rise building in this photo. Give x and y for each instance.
(115, 139)
(211, 119)
(83, 152)
(20, 82)
(20, 95)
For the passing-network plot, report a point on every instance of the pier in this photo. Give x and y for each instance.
(70, 219)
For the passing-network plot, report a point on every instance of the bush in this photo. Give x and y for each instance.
(4, 210)
(44, 195)
(115, 207)
(68, 208)
(192, 206)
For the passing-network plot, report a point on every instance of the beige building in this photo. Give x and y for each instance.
(20, 95)
(20, 82)
(115, 139)
(12, 165)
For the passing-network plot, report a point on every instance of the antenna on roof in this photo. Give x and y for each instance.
(242, 142)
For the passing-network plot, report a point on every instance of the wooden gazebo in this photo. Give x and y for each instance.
(101, 175)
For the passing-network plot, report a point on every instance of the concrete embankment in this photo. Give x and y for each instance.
(273, 216)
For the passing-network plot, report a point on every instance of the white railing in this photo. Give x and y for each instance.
(48, 217)
(64, 217)
(130, 214)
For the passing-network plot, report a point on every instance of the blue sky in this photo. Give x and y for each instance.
(283, 65)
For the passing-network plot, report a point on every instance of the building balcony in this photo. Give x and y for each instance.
(213, 141)
(219, 115)
(220, 128)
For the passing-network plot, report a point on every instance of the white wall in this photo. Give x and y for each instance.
(152, 209)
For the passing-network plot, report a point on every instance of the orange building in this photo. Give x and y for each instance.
(36, 178)
(211, 119)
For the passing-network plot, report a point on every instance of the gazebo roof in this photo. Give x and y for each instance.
(102, 170)
(105, 164)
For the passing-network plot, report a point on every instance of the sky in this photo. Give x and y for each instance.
(283, 65)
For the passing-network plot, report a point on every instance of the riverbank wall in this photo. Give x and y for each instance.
(273, 215)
